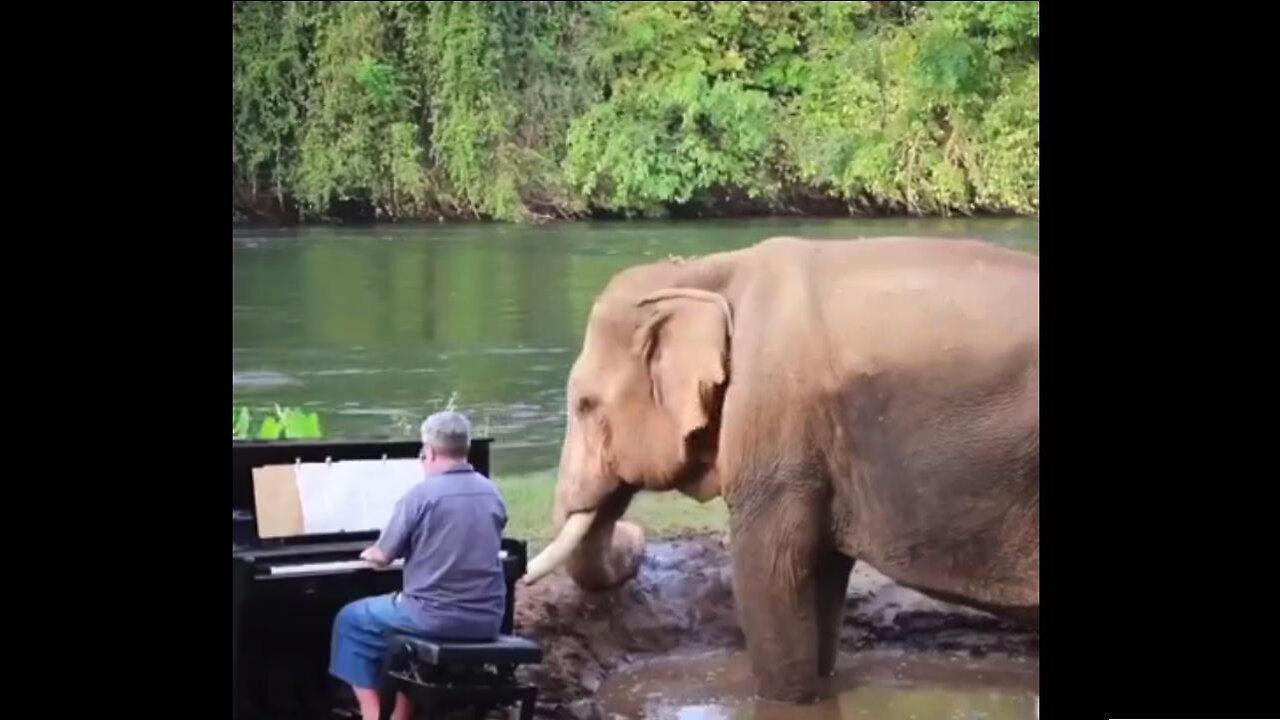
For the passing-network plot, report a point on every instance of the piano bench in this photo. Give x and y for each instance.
(505, 650)
(440, 675)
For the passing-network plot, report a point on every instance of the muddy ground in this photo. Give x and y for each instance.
(682, 600)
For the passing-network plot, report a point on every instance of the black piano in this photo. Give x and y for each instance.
(286, 591)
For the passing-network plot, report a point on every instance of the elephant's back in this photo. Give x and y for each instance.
(898, 250)
(947, 332)
(832, 312)
(924, 303)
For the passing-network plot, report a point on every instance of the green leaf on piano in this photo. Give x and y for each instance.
(300, 425)
(241, 423)
(309, 425)
(271, 428)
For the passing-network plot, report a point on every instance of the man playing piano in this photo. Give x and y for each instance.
(448, 529)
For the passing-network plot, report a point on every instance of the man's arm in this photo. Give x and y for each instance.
(394, 542)
(374, 555)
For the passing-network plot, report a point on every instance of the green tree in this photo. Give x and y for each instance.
(526, 110)
(361, 140)
(270, 50)
(940, 114)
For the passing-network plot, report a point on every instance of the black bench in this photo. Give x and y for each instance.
(442, 675)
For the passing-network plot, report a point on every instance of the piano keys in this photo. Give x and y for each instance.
(287, 588)
(339, 566)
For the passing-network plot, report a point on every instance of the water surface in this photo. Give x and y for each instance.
(375, 328)
(879, 685)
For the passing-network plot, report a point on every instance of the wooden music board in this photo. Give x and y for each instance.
(278, 504)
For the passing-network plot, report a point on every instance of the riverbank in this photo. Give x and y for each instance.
(269, 217)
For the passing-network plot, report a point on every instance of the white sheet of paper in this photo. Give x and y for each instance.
(353, 495)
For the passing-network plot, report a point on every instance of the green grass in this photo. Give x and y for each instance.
(530, 497)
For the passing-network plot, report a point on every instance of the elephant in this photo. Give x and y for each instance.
(856, 399)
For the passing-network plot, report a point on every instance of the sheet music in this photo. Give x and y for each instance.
(353, 495)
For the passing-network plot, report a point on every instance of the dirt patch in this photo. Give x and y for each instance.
(682, 600)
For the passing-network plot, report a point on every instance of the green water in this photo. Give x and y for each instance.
(375, 328)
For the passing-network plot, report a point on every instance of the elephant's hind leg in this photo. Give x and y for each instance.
(830, 589)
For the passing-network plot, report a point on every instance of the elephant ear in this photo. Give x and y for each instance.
(685, 344)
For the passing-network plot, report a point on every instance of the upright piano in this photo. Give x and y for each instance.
(287, 590)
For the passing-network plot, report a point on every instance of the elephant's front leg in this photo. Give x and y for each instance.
(775, 587)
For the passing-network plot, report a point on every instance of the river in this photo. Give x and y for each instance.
(374, 328)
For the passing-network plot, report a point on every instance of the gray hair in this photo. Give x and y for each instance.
(448, 433)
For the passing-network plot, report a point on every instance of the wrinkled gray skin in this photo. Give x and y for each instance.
(874, 400)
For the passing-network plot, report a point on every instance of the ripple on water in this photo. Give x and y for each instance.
(262, 379)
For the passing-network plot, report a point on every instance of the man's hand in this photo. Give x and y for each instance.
(374, 555)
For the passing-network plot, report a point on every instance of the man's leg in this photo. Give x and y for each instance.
(404, 708)
(368, 701)
(359, 640)
(369, 707)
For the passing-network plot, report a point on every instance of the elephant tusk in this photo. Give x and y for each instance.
(554, 555)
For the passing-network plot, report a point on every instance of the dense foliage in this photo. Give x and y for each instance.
(524, 110)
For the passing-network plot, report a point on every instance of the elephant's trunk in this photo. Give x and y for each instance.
(597, 550)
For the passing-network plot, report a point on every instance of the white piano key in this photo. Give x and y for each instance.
(340, 566)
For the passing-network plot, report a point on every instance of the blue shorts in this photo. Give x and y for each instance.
(360, 635)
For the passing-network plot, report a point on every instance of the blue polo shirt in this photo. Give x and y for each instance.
(448, 529)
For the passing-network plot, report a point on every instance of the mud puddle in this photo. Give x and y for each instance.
(903, 654)
(878, 684)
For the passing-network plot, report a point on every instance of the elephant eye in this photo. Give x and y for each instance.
(586, 404)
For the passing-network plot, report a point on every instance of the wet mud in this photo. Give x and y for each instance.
(598, 647)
